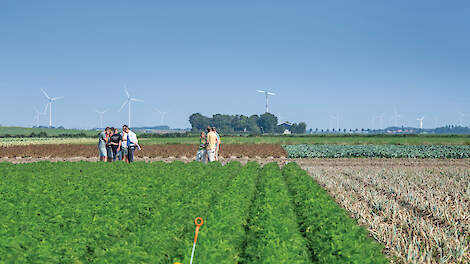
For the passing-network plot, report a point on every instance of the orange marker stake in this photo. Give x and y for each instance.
(198, 221)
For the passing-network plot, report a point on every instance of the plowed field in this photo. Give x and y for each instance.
(176, 150)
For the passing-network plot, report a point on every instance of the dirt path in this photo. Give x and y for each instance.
(304, 163)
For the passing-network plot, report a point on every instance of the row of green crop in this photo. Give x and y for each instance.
(331, 234)
(223, 237)
(378, 151)
(144, 213)
(273, 235)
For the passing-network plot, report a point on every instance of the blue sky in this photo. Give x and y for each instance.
(355, 59)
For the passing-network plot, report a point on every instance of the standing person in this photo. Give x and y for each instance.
(218, 144)
(124, 149)
(102, 140)
(109, 149)
(132, 143)
(211, 144)
(201, 155)
(116, 141)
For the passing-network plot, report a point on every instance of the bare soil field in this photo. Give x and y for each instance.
(149, 151)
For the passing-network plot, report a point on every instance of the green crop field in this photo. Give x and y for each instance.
(49, 132)
(329, 139)
(143, 213)
(378, 151)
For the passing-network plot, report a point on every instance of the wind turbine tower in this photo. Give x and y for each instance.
(420, 122)
(37, 114)
(101, 114)
(162, 116)
(128, 101)
(267, 94)
(49, 103)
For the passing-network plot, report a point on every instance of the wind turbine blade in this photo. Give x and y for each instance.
(136, 100)
(45, 109)
(47, 96)
(57, 98)
(260, 91)
(125, 90)
(122, 106)
(271, 93)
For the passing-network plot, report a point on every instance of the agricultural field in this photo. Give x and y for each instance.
(378, 151)
(327, 139)
(51, 132)
(149, 151)
(419, 212)
(266, 139)
(88, 212)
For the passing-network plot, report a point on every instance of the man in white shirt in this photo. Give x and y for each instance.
(132, 142)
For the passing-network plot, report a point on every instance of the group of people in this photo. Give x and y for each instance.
(113, 144)
(209, 145)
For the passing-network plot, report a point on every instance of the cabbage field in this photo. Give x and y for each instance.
(378, 151)
(85, 212)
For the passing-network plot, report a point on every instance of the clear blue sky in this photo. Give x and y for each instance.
(358, 59)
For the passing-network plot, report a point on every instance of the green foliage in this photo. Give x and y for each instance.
(87, 212)
(223, 237)
(378, 151)
(331, 234)
(273, 230)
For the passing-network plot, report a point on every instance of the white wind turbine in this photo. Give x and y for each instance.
(420, 122)
(336, 117)
(162, 116)
(267, 94)
(462, 115)
(101, 114)
(37, 114)
(396, 117)
(49, 104)
(128, 101)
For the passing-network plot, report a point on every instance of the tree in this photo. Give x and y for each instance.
(299, 128)
(253, 124)
(198, 122)
(268, 122)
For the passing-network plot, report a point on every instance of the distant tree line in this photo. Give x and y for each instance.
(254, 124)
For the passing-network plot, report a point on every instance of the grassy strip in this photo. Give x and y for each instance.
(332, 235)
(222, 237)
(273, 235)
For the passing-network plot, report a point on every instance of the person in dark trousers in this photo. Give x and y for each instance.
(132, 143)
(116, 141)
(109, 150)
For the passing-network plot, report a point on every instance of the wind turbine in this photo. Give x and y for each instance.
(267, 94)
(50, 101)
(462, 115)
(37, 114)
(101, 114)
(420, 122)
(128, 101)
(162, 115)
(337, 121)
(395, 117)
